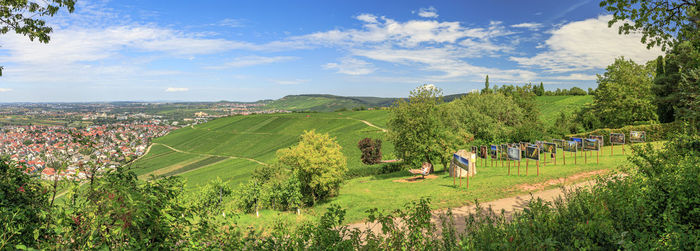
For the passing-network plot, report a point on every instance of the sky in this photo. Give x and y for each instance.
(154, 50)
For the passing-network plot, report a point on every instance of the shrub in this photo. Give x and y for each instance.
(270, 187)
(371, 151)
(318, 163)
(24, 207)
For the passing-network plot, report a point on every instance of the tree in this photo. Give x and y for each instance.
(662, 23)
(539, 90)
(624, 94)
(576, 91)
(23, 17)
(679, 62)
(417, 127)
(318, 163)
(485, 118)
(486, 86)
(371, 151)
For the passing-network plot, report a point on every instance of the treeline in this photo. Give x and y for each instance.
(538, 90)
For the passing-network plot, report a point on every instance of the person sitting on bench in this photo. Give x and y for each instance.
(423, 171)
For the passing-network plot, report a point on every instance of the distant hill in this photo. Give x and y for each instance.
(329, 103)
(326, 103)
(550, 106)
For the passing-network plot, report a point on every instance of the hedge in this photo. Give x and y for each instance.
(655, 132)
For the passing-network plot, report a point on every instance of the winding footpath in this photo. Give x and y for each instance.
(507, 205)
(369, 124)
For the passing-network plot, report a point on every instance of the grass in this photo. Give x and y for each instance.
(551, 106)
(490, 183)
(195, 165)
(253, 138)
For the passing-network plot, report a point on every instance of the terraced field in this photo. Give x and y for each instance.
(550, 106)
(230, 148)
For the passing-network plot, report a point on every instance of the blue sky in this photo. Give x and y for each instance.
(252, 50)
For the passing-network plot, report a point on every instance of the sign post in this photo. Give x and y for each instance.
(532, 152)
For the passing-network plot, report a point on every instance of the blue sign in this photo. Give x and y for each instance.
(460, 161)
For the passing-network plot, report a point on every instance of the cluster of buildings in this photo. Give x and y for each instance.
(105, 146)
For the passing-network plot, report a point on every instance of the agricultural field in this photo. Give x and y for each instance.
(551, 106)
(223, 147)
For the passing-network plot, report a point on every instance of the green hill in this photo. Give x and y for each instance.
(326, 103)
(550, 106)
(230, 148)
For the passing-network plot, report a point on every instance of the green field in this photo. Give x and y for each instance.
(550, 106)
(223, 147)
(326, 103)
(231, 148)
(491, 182)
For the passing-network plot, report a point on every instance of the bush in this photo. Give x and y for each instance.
(318, 163)
(24, 207)
(365, 171)
(371, 151)
(270, 187)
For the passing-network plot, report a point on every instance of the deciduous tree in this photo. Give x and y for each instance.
(318, 163)
(624, 94)
(417, 127)
(24, 17)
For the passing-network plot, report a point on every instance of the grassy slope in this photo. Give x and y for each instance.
(491, 182)
(550, 106)
(255, 137)
(314, 103)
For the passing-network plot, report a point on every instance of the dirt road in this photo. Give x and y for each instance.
(510, 205)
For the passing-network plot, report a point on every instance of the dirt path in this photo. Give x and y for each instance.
(369, 124)
(509, 205)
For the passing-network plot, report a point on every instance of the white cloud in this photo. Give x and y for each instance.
(85, 45)
(5, 90)
(230, 22)
(250, 61)
(429, 12)
(412, 33)
(427, 87)
(351, 66)
(291, 82)
(575, 76)
(532, 26)
(430, 45)
(587, 45)
(367, 18)
(176, 89)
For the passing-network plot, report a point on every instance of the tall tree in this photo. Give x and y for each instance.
(417, 127)
(624, 94)
(24, 17)
(671, 24)
(486, 86)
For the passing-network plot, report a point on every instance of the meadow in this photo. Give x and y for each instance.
(551, 106)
